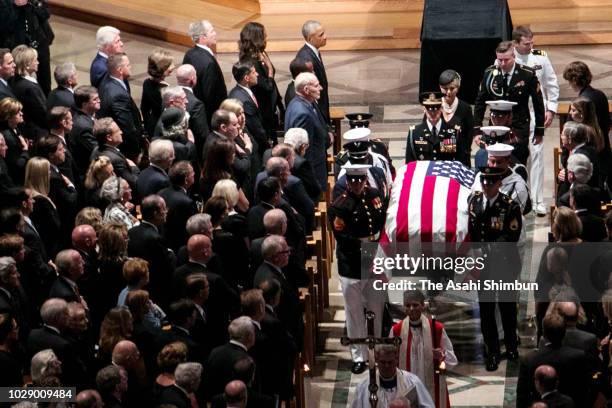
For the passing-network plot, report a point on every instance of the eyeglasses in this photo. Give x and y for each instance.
(286, 251)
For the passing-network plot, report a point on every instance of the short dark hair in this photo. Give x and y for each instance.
(56, 115)
(578, 73)
(108, 378)
(297, 66)
(521, 31)
(3, 52)
(216, 207)
(244, 368)
(241, 69)
(583, 195)
(114, 61)
(181, 310)
(14, 197)
(220, 117)
(504, 46)
(6, 325)
(150, 206)
(10, 218)
(267, 188)
(195, 283)
(83, 94)
(47, 145)
(553, 328)
(414, 296)
(269, 289)
(179, 171)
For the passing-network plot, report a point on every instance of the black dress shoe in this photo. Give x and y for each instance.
(492, 362)
(359, 367)
(511, 355)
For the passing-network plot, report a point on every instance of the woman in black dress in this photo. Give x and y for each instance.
(161, 64)
(457, 114)
(17, 155)
(252, 46)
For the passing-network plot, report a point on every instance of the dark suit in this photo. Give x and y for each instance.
(34, 107)
(147, 243)
(151, 180)
(180, 208)
(254, 400)
(290, 92)
(590, 152)
(74, 372)
(63, 290)
(289, 310)
(60, 96)
(308, 54)
(120, 164)
(600, 101)
(302, 169)
(593, 227)
(65, 198)
(555, 399)
(151, 103)
(223, 302)
(210, 87)
(219, 368)
(98, 70)
(572, 369)
(174, 396)
(255, 219)
(6, 91)
(6, 182)
(16, 158)
(81, 140)
(254, 118)
(276, 373)
(117, 103)
(303, 114)
(198, 119)
(170, 334)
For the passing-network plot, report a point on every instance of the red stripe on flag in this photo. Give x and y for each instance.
(451, 211)
(427, 204)
(401, 222)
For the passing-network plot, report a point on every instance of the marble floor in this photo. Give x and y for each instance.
(385, 84)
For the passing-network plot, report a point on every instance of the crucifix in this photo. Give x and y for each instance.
(371, 341)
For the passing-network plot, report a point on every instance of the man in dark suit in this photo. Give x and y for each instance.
(108, 41)
(117, 103)
(109, 137)
(146, 242)
(187, 79)
(210, 87)
(84, 240)
(571, 365)
(296, 67)
(82, 141)
(241, 391)
(66, 78)
(575, 337)
(70, 267)
(304, 113)
(315, 37)
(54, 314)
(302, 169)
(180, 205)
(246, 76)
(219, 368)
(182, 316)
(546, 384)
(112, 382)
(275, 252)
(222, 303)
(7, 71)
(13, 299)
(224, 126)
(155, 177)
(60, 124)
(582, 202)
(186, 380)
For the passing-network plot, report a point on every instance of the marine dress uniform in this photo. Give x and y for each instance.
(494, 221)
(357, 217)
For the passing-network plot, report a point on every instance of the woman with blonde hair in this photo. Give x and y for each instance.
(118, 193)
(29, 93)
(17, 154)
(44, 215)
(234, 222)
(160, 65)
(89, 216)
(98, 171)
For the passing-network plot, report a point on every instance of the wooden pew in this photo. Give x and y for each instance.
(309, 328)
(336, 115)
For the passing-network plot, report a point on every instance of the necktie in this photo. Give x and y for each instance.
(253, 98)
(487, 206)
(434, 131)
(320, 59)
(506, 75)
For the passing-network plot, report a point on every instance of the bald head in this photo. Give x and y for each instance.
(89, 399)
(545, 378)
(84, 237)
(186, 75)
(125, 354)
(538, 404)
(569, 312)
(235, 393)
(199, 248)
(275, 222)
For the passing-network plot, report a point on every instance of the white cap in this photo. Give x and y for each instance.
(360, 134)
(500, 150)
(501, 105)
(353, 170)
(494, 130)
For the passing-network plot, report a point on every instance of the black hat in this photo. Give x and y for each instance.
(357, 120)
(428, 99)
(490, 175)
(172, 117)
(358, 150)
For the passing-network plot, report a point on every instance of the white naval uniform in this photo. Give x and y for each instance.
(538, 60)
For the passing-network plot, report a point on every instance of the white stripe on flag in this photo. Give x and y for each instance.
(439, 209)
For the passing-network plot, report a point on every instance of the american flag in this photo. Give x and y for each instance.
(429, 203)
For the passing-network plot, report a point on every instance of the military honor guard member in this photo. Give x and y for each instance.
(358, 150)
(514, 82)
(538, 60)
(433, 139)
(357, 216)
(495, 218)
(362, 120)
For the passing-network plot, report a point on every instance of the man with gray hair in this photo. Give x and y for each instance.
(198, 224)
(315, 37)
(54, 315)
(220, 364)
(12, 296)
(302, 168)
(275, 253)
(579, 171)
(66, 78)
(187, 79)
(70, 267)
(108, 41)
(186, 382)
(304, 113)
(210, 86)
(112, 382)
(155, 177)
